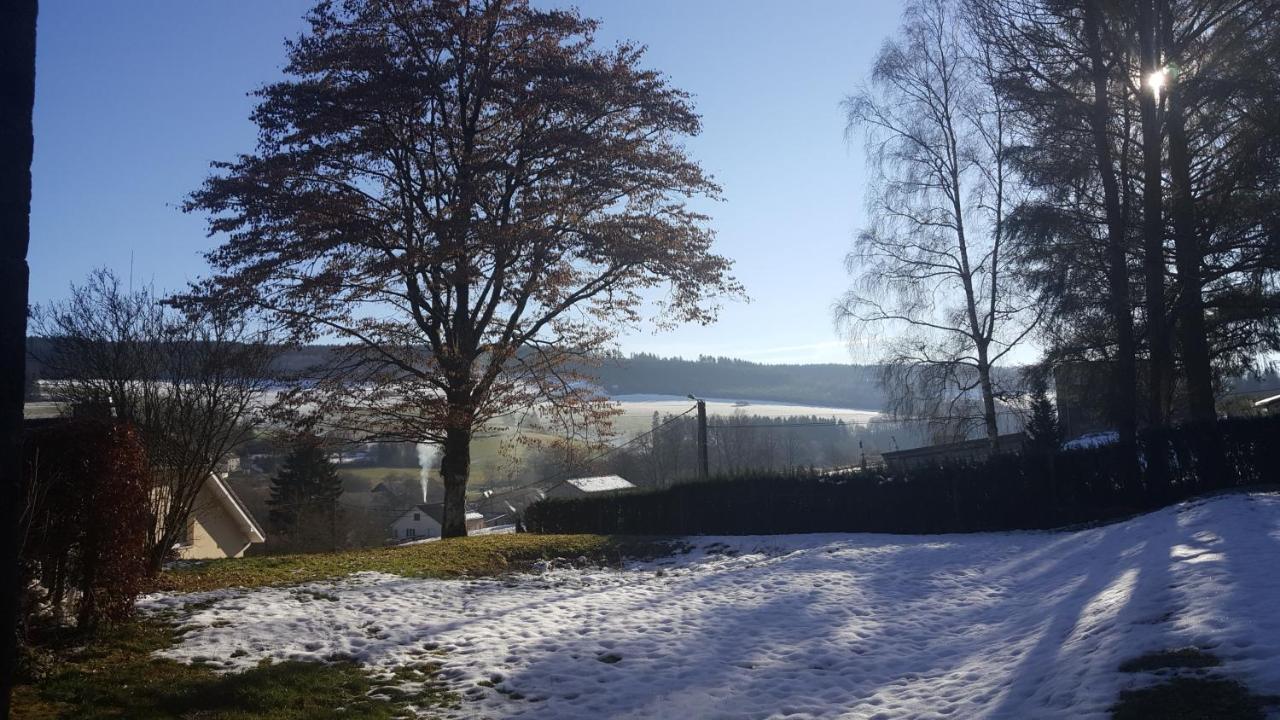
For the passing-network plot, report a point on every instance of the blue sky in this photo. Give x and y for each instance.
(134, 98)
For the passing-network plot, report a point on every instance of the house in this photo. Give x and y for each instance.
(220, 525)
(426, 520)
(578, 487)
(964, 451)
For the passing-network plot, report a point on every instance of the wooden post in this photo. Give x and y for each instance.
(703, 467)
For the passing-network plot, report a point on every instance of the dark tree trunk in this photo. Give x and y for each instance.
(1187, 257)
(17, 98)
(1153, 264)
(1124, 392)
(455, 467)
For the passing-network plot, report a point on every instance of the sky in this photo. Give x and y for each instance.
(134, 99)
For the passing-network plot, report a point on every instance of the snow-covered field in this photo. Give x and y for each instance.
(638, 410)
(998, 625)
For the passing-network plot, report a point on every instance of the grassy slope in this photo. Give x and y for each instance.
(461, 557)
(114, 675)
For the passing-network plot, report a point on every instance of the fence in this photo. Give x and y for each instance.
(1005, 492)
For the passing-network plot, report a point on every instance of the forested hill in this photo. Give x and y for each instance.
(850, 386)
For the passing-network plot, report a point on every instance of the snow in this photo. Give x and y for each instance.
(1092, 440)
(994, 625)
(600, 483)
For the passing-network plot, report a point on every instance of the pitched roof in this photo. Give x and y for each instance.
(435, 511)
(600, 483)
(235, 507)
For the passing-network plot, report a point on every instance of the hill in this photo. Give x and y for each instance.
(835, 385)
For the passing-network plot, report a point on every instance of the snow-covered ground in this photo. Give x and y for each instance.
(996, 625)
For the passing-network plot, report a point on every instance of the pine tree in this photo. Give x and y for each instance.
(1043, 429)
(304, 496)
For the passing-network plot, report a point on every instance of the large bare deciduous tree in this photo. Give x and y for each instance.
(192, 383)
(931, 269)
(470, 194)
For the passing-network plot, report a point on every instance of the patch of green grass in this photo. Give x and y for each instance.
(114, 675)
(1190, 699)
(459, 557)
(1188, 657)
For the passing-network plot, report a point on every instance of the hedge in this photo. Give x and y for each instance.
(1006, 492)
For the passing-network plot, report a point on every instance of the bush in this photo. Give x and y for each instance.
(1034, 490)
(88, 518)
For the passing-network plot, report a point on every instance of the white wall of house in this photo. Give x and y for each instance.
(415, 524)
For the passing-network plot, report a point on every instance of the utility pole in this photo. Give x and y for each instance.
(703, 468)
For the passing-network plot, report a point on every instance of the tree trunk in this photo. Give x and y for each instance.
(988, 398)
(1124, 391)
(455, 467)
(1187, 256)
(1161, 363)
(17, 98)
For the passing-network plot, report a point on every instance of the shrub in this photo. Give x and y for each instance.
(1005, 492)
(88, 517)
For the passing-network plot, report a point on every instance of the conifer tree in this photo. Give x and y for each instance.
(1043, 429)
(304, 496)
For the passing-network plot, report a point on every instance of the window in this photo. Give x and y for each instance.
(417, 517)
(410, 532)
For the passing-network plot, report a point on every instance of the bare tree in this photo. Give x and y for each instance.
(190, 383)
(931, 269)
(472, 196)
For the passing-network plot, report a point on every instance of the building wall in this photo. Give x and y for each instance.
(214, 532)
(424, 526)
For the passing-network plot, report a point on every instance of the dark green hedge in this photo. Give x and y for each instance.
(1008, 492)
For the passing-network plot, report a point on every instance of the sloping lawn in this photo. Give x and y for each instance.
(1170, 610)
(1166, 615)
(462, 557)
(115, 674)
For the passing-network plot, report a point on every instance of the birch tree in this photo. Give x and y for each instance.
(930, 269)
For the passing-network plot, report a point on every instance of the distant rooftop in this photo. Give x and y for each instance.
(601, 483)
(436, 512)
